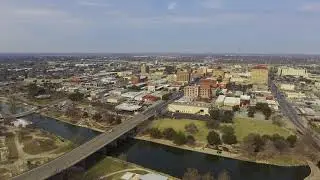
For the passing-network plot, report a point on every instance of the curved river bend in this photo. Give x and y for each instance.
(174, 161)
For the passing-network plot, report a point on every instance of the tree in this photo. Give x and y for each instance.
(265, 109)
(32, 89)
(191, 174)
(155, 133)
(214, 114)
(85, 115)
(229, 138)
(253, 143)
(191, 128)
(213, 138)
(227, 117)
(180, 138)
(97, 117)
(166, 96)
(213, 124)
(207, 176)
(281, 144)
(77, 96)
(251, 111)
(190, 140)
(292, 139)
(117, 120)
(235, 108)
(224, 175)
(169, 133)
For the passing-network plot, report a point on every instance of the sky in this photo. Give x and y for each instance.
(185, 26)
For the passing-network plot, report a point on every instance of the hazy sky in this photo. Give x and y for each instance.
(241, 26)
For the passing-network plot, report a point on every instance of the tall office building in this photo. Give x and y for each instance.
(183, 76)
(259, 74)
(191, 91)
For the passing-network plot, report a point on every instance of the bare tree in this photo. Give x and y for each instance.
(191, 174)
(224, 175)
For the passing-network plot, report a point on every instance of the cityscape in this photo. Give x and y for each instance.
(159, 90)
(89, 117)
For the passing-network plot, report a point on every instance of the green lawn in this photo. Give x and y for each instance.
(37, 146)
(66, 148)
(13, 152)
(244, 126)
(106, 166)
(178, 125)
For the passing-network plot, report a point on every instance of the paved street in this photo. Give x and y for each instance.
(71, 158)
(290, 112)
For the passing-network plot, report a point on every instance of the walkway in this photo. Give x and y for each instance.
(123, 171)
(315, 172)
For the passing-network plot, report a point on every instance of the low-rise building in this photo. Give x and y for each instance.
(199, 108)
(192, 91)
(115, 99)
(128, 107)
(220, 100)
(295, 95)
(287, 87)
(231, 101)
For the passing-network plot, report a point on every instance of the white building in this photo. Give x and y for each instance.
(21, 122)
(232, 101)
(220, 100)
(288, 71)
(287, 87)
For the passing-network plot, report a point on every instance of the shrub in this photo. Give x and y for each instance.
(180, 138)
(191, 128)
(155, 133)
(169, 133)
(213, 138)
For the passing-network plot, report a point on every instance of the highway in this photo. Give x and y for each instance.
(76, 155)
(291, 113)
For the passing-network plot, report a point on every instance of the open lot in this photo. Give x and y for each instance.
(10, 142)
(179, 124)
(106, 166)
(37, 146)
(243, 127)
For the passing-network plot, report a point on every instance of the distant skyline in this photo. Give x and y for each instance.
(184, 26)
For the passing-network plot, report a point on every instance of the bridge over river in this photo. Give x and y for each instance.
(76, 155)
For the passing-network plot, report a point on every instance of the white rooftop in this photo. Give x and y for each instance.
(151, 176)
(127, 176)
(128, 107)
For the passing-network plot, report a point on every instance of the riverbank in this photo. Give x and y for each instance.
(315, 172)
(68, 122)
(114, 168)
(223, 153)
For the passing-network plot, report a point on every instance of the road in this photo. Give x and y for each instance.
(76, 155)
(291, 113)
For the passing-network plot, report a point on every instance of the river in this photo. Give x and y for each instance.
(4, 107)
(174, 161)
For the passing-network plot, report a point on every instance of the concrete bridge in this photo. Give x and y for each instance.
(83, 151)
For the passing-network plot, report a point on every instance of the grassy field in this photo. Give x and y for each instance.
(37, 146)
(13, 152)
(65, 148)
(179, 125)
(244, 126)
(106, 166)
